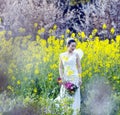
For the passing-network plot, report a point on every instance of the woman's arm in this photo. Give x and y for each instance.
(79, 68)
(60, 68)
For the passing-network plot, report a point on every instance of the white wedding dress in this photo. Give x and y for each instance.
(71, 74)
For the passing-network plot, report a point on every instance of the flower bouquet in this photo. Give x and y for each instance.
(70, 87)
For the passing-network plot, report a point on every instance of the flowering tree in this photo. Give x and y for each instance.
(70, 14)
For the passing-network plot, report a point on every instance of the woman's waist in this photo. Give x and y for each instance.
(71, 73)
(75, 75)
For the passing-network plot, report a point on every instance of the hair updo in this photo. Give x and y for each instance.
(70, 41)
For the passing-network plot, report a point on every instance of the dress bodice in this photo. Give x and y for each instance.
(69, 63)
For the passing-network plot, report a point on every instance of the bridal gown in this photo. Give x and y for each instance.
(70, 74)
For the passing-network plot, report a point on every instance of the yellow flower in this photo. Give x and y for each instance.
(67, 31)
(35, 25)
(35, 90)
(36, 72)
(45, 59)
(50, 78)
(50, 74)
(65, 58)
(83, 35)
(70, 72)
(79, 34)
(97, 38)
(2, 33)
(112, 30)
(18, 82)
(42, 30)
(94, 31)
(118, 81)
(13, 78)
(73, 35)
(28, 36)
(62, 36)
(55, 27)
(21, 30)
(118, 37)
(104, 26)
(108, 65)
(27, 99)
(10, 33)
(54, 66)
(115, 77)
(90, 36)
(50, 30)
(37, 38)
(39, 31)
(9, 87)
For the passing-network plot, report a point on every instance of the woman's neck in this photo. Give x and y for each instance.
(70, 52)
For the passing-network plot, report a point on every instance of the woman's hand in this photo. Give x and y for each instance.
(80, 82)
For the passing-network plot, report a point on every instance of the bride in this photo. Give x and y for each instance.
(70, 70)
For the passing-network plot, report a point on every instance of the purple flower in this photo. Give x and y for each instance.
(71, 88)
(68, 85)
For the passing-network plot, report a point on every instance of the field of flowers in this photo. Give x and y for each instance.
(30, 69)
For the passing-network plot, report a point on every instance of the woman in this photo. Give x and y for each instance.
(70, 70)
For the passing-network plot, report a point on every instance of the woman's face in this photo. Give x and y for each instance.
(72, 47)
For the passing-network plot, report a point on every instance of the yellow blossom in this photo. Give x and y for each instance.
(94, 31)
(2, 33)
(67, 31)
(104, 26)
(79, 33)
(21, 30)
(50, 31)
(27, 99)
(36, 71)
(115, 77)
(53, 66)
(90, 36)
(42, 30)
(62, 36)
(70, 72)
(10, 33)
(73, 35)
(45, 59)
(13, 78)
(50, 78)
(112, 30)
(50, 74)
(37, 38)
(18, 82)
(55, 27)
(9, 87)
(65, 58)
(35, 90)
(83, 35)
(35, 25)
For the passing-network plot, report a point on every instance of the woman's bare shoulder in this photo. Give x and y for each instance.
(63, 53)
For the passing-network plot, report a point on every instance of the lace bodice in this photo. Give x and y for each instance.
(69, 63)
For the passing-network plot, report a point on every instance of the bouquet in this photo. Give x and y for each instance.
(70, 87)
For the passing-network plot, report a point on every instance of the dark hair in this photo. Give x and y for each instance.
(70, 41)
